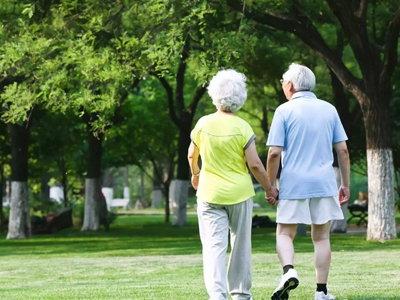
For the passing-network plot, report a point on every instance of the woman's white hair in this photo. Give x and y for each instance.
(302, 78)
(228, 90)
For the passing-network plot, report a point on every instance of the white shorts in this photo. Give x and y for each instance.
(309, 211)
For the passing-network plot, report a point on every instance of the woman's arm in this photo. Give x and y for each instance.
(193, 158)
(256, 167)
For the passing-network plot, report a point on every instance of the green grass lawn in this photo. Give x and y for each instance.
(142, 258)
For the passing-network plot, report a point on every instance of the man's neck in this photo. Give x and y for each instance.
(292, 94)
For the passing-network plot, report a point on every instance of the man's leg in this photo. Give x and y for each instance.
(214, 230)
(285, 234)
(322, 254)
(239, 266)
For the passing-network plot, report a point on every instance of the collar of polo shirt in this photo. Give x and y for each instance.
(307, 94)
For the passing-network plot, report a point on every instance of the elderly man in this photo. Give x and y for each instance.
(303, 131)
(225, 143)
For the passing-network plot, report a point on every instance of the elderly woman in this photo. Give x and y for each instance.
(224, 187)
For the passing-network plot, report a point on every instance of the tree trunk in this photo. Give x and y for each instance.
(92, 207)
(168, 176)
(44, 186)
(64, 182)
(157, 193)
(8, 191)
(92, 183)
(381, 219)
(20, 222)
(166, 195)
(141, 190)
(178, 192)
(108, 187)
(126, 184)
(183, 146)
(341, 102)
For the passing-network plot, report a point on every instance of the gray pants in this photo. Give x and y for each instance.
(215, 222)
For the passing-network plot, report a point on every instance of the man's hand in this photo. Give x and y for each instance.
(195, 181)
(344, 195)
(272, 195)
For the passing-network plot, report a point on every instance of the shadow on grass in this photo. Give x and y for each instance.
(148, 235)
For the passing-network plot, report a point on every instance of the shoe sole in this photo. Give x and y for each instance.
(283, 294)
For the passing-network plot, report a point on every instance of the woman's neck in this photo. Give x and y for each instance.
(220, 111)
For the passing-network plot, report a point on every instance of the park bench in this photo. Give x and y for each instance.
(359, 209)
(124, 203)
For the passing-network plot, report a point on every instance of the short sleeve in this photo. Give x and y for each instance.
(248, 136)
(277, 132)
(339, 135)
(195, 134)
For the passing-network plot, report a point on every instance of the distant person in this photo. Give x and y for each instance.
(303, 131)
(224, 187)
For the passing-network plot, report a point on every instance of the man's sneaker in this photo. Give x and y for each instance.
(289, 281)
(322, 296)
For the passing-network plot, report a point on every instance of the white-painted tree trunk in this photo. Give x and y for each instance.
(92, 209)
(109, 195)
(126, 192)
(126, 184)
(108, 187)
(19, 226)
(8, 192)
(157, 196)
(339, 226)
(381, 220)
(178, 195)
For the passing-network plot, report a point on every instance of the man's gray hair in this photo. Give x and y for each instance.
(302, 78)
(228, 90)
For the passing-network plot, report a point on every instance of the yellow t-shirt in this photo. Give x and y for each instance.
(222, 139)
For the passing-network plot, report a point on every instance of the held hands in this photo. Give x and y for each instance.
(272, 195)
(344, 195)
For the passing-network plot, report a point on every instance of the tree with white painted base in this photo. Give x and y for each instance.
(20, 222)
(91, 219)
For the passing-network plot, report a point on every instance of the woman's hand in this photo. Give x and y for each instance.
(195, 181)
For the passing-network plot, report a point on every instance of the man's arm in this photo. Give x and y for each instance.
(274, 157)
(344, 165)
(193, 158)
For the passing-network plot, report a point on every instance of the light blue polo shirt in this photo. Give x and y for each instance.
(306, 127)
